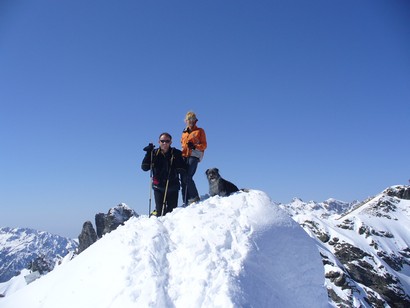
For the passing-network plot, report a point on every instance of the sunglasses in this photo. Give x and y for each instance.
(165, 141)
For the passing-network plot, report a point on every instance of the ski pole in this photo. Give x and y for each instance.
(185, 175)
(186, 190)
(150, 185)
(166, 186)
(165, 198)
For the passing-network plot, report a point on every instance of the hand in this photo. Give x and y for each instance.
(191, 145)
(149, 148)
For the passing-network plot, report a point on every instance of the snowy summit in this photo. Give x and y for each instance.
(237, 251)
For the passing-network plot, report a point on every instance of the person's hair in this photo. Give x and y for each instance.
(165, 134)
(191, 114)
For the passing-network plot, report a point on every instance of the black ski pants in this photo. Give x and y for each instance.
(171, 201)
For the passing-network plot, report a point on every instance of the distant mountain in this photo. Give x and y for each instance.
(364, 247)
(328, 208)
(19, 247)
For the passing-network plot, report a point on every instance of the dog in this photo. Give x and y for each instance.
(218, 185)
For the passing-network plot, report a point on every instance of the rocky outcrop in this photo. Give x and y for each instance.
(401, 192)
(87, 237)
(116, 216)
(105, 223)
(364, 269)
(100, 224)
(41, 264)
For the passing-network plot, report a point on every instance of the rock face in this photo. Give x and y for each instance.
(42, 265)
(105, 223)
(365, 249)
(87, 237)
(100, 224)
(401, 192)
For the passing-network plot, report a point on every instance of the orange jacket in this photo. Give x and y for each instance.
(196, 136)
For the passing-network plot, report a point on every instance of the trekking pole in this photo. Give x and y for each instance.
(166, 186)
(186, 186)
(186, 190)
(150, 184)
(165, 198)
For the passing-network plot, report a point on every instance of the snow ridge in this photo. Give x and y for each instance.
(237, 251)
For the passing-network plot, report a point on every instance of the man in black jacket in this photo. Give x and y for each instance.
(167, 164)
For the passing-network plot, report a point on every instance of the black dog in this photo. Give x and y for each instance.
(218, 185)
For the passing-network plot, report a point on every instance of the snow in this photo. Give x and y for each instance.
(379, 226)
(14, 284)
(236, 251)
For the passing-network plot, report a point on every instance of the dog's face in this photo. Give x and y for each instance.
(212, 174)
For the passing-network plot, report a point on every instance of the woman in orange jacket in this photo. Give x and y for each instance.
(193, 143)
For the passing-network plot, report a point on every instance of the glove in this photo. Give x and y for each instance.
(191, 145)
(149, 148)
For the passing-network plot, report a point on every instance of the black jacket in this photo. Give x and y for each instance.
(165, 166)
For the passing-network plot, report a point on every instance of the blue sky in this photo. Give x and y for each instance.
(305, 99)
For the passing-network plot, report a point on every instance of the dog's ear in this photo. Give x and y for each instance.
(217, 170)
(207, 171)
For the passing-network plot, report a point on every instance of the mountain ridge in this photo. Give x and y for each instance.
(21, 246)
(365, 251)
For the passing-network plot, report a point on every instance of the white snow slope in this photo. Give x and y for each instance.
(237, 251)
